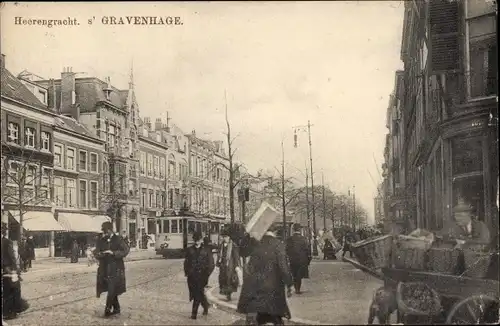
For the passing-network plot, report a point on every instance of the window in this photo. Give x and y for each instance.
(467, 155)
(70, 159)
(13, 173)
(150, 165)
(171, 170)
(31, 176)
(175, 226)
(131, 187)
(166, 226)
(156, 166)
(58, 155)
(42, 96)
(29, 137)
(170, 198)
(83, 161)
(71, 192)
(111, 135)
(93, 194)
(162, 167)
(83, 193)
(59, 192)
(482, 52)
(151, 199)
(45, 177)
(467, 169)
(163, 200)
(158, 199)
(143, 163)
(45, 141)
(143, 198)
(13, 132)
(93, 162)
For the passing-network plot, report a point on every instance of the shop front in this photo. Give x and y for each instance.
(82, 228)
(41, 225)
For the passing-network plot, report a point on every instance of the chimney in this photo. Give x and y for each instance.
(158, 124)
(52, 96)
(3, 61)
(147, 123)
(193, 132)
(68, 95)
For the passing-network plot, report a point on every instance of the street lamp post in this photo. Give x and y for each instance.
(315, 244)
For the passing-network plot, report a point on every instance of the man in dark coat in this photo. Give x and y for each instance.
(198, 266)
(110, 251)
(299, 255)
(12, 303)
(266, 276)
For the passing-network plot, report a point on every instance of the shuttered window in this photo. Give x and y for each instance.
(444, 19)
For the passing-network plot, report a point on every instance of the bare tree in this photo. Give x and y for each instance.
(24, 181)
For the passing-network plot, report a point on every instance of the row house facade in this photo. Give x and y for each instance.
(208, 177)
(450, 111)
(111, 116)
(54, 159)
(163, 171)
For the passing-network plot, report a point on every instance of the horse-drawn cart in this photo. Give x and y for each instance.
(464, 299)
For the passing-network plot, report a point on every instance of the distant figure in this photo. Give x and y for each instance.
(198, 266)
(23, 254)
(125, 237)
(348, 240)
(75, 251)
(267, 281)
(30, 248)
(329, 251)
(110, 251)
(299, 255)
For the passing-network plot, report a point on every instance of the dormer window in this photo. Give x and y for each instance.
(158, 137)
(42, 96)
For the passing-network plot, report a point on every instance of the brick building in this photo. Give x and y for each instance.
(449, 111)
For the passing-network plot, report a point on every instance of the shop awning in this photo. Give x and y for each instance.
(75, 222)
(38, 221)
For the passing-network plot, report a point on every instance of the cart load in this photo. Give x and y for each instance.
(421, 251)
(418, 299)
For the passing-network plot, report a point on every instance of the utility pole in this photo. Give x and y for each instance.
(315, 245)
(283, 188)
(324, 201)
(354, 207)
(307, 208)
(349, 221)
(333, 213)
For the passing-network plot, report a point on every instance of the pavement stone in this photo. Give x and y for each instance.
(335, 293)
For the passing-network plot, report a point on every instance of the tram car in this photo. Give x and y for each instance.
(175, 234)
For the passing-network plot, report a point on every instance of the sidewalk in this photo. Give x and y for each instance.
(335, 293)
(53, 263)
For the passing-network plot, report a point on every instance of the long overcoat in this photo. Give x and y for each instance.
(111, 270)
(299, 255)
(228, 258)
(265, 280)
(198, 266)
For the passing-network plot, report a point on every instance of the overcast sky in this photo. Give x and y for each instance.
(282, 64)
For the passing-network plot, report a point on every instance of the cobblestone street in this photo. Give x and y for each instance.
(156, 295)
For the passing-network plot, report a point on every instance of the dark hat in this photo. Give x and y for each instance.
(107, 225)
(197, 236)
(297, 227)
(224, 232)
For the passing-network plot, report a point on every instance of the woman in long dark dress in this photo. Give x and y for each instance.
(75, 252)
(198, 266)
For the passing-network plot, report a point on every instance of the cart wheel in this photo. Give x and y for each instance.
(477, 309)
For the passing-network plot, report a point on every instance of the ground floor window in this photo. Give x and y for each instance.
(41, 239)
(470, 189)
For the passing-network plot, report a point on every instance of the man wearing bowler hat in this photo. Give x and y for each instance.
(110, 251)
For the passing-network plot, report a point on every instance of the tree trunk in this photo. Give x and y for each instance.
(21, 214)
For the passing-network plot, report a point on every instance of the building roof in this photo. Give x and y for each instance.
(71, 124)
(201, 142)
(89, 91)
(13, 88)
